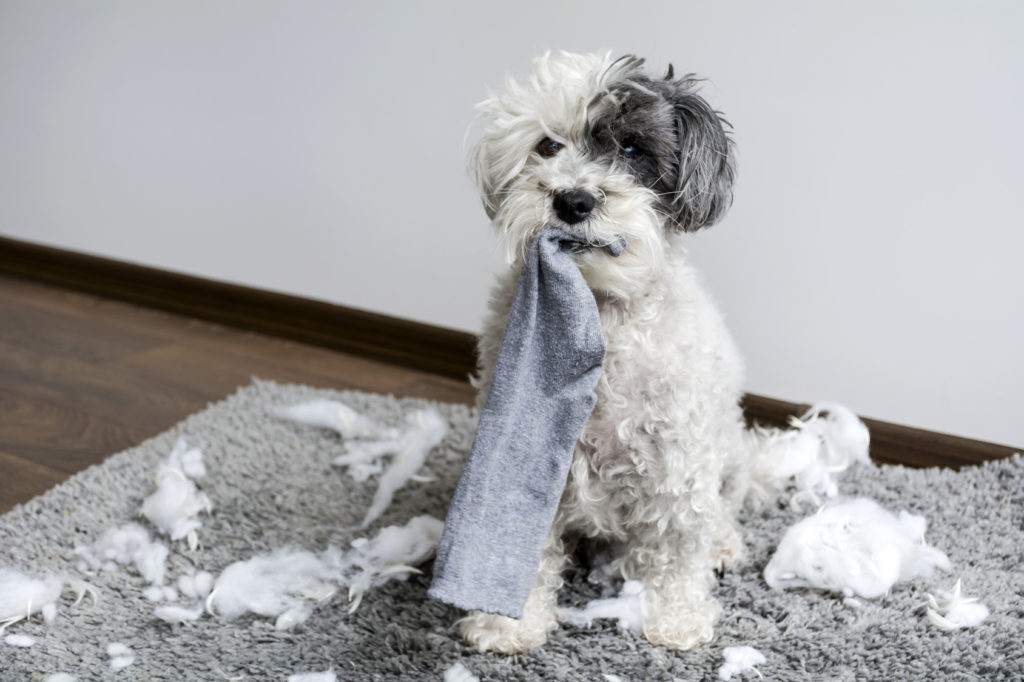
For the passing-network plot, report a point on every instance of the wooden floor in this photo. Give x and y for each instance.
(83, 377)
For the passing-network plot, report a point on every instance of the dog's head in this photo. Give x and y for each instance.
(596, 145)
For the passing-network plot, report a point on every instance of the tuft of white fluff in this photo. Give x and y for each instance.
(331, 414)
(277, 584)
(410, 544)
(628, 608)
(957, 610)
(363, 459)
(120, 655)
(288, 583)
(60, 677)
(186, 459)
(124, 545)
(856, 548)
(24, 641)
(195, 586)
(426, 429)
(160, 593)
(175, 504)
(22, 595)
(459, 673)
(391, 554)
(827, 440)
(327, 676)
(738, 660)
(178, 614)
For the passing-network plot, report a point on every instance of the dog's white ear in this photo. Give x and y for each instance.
(498, 157)
(483, 174)
(703, 191)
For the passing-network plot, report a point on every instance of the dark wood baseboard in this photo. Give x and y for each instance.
(415, 345)
(420, 346)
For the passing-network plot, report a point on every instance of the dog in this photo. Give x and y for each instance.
(599, 147)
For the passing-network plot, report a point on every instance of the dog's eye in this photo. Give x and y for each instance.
(548, 147)
(630, 150)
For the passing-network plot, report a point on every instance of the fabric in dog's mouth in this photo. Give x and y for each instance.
(541, 395)
(577, 243)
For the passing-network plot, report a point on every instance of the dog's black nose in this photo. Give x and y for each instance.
(573, 205)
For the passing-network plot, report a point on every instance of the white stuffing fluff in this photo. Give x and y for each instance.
(120, 655)
(738, 660)
(187, 460)
(825, 441)
(174, 506)
(292, 617)
(160, 593)
(628, 608)
(178, 614)
(327, 676)
(196, 586)
(330, 414)
(459, 673)
(127, 544)
(20, 640)
(391, 554)
(288, 583)
(427, 428)
(957, 611)
(60, 677)
(22, 595)
(277, 584)
(363, 459)
(856, 548)
(410, 544)
(120, 662)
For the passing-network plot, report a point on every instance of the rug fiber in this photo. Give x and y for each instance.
(272, 485)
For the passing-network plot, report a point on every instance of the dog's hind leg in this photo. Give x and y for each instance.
(489, 632)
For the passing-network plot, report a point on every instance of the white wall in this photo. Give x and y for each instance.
(872, 256)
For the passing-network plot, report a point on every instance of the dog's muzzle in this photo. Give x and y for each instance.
(570, 242)
(573, 205)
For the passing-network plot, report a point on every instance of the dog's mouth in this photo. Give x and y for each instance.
(575, 243)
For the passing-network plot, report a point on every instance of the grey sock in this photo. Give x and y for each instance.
(540, 399)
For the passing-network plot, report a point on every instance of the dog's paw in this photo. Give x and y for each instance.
(683, 632)
(488, 632)
(681, 627)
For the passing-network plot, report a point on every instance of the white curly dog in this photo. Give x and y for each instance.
(598, 146)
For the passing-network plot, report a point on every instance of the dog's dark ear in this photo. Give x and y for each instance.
(703, 188)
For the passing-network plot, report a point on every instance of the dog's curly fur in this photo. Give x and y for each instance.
(665, 461)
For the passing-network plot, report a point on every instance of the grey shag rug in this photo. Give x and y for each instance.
(272, 485)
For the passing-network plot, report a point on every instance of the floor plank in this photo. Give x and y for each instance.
(100, 389)
(83, 377)
(24, 479)
(58, 435)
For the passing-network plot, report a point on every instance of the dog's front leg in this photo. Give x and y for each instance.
(679, 608)
(489, 632)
